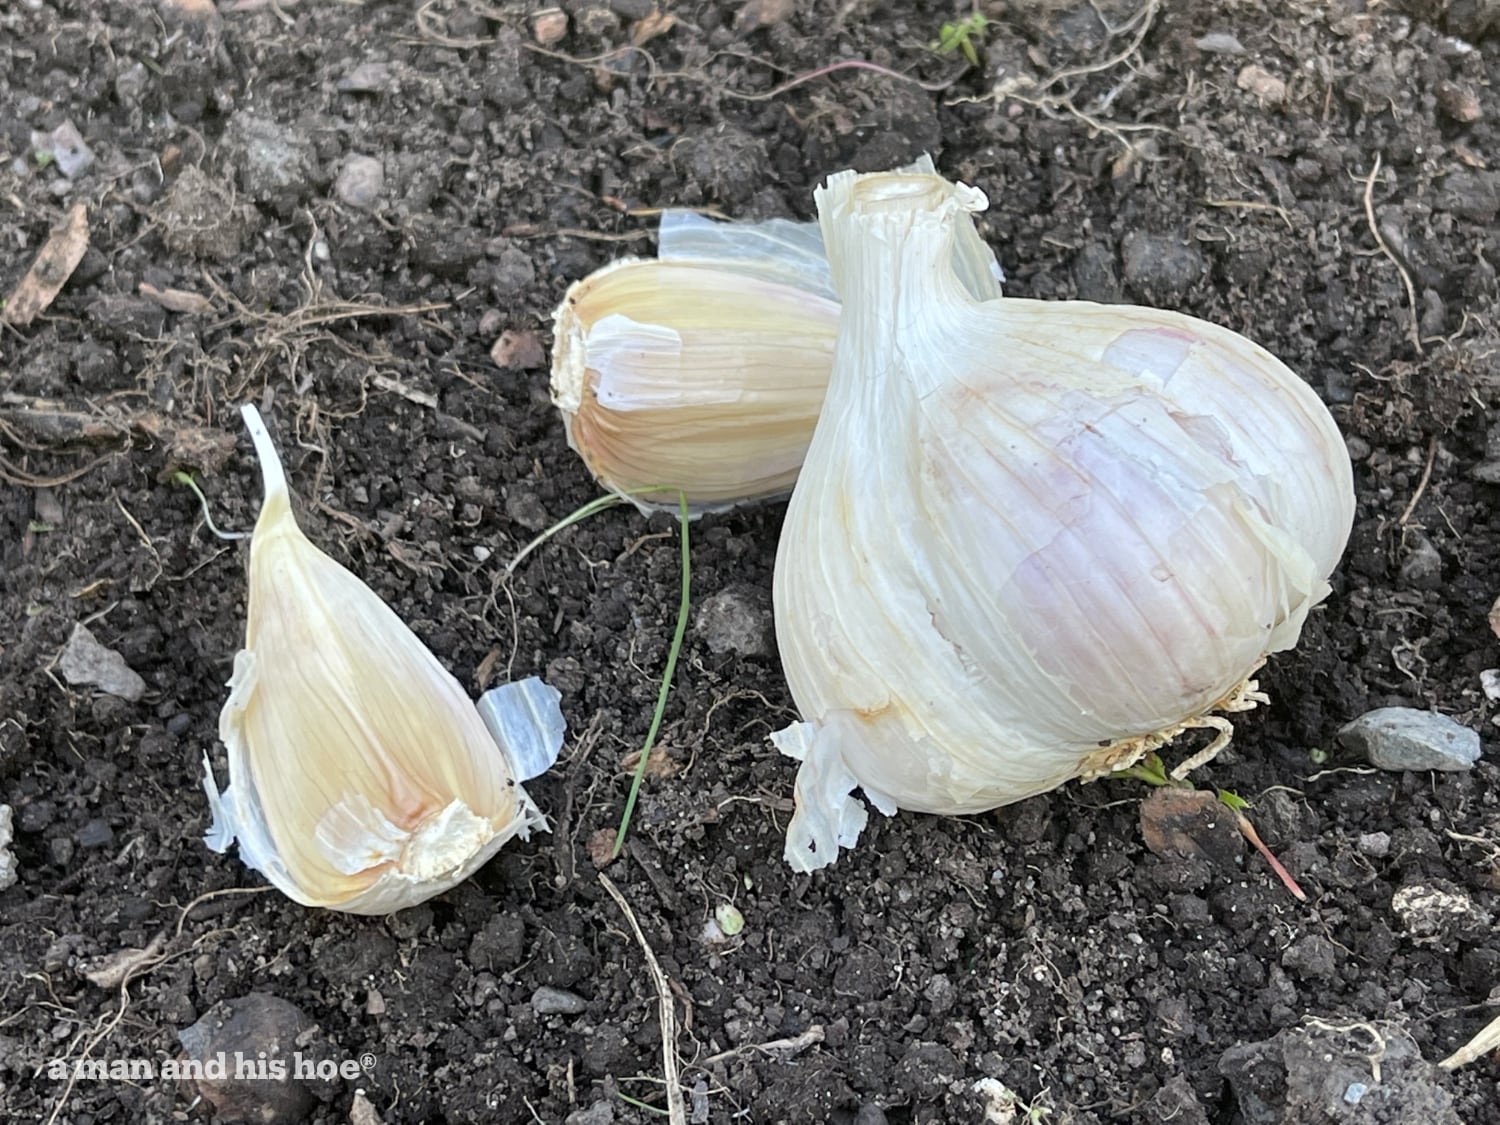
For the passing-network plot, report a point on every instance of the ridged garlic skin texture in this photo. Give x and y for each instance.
(362, 777)
(1026, 531)
(704, 370)
(686, 375)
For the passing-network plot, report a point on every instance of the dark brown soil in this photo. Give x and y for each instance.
(1041, 946)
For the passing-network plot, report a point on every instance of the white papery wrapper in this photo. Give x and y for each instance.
(1031, 540)
(362, 777)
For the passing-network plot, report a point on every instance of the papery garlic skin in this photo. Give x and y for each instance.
(703, 371)
(362, 777)
(1031, 539)
(684, 375)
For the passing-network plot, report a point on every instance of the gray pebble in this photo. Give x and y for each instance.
(1423, 568)
(1434, 915)
(69, 152)
(366, 78)
(548, 1001)
(1376, 845)
(1219, 43)
(600, 1113)
(632, 9)
(7, 860)
(512, 270)
(870, 1114)
(274, 161)
(95, 834)
(735, 621)
(524, 507)
(61, 849)
(1403, 738)
(1161, 264)
(86, 662)
(360, 182)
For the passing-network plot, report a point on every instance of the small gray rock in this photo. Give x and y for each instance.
(548, 1001)
(86, 662)
(1433, 915)
(360, 182)
(7, 860)
(1178, 1103)
(600, 1113)
(69, 152)
(1161, 265)
(275, 162)
(1423, 568)
(1376, 845)
(369, 77)
(1403, 738)
(95, 834)
(524, 507)
(1219, 43)
(735, 621)
(870, 1114)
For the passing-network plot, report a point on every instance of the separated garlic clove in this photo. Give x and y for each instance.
(680, 375)
(1031, 540)
(703, 371)
(362, 777)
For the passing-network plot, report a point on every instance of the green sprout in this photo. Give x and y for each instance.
(961, 37)
(593, 507)
(181, 477)
(666, 679)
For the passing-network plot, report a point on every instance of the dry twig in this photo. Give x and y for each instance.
(1482, 1044)
(676, 1108)
(1411, 505)
(1411, 292)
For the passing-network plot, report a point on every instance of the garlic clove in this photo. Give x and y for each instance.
(362, 777)
(1031, 540)
(681, 375)
(703, 371)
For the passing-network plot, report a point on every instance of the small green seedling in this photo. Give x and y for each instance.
(961, 37)
(594, 506)
(180, 477)
(666, 679)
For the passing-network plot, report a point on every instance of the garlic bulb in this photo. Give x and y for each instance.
(704, 370)
(1031, 540)
(362, 777)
